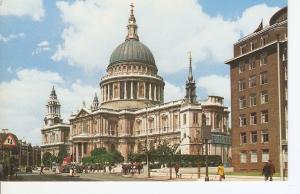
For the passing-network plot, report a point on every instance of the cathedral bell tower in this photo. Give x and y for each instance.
(190, 86)
(53, 110)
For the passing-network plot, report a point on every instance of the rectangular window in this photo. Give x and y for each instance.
(195, 118)
(253, 136)
(242, 67)
(243, 49)
(263, 59)
(253, 100)
(243, 157)
(242, 85)
(253, 45)
(243, 120)
(264, 97)
(253, 156)
(265, 155)
(242, 102)
(252, 81)
(243, 138)
(265, 136)
(253, 118)
(184, 119)
(252, 64)
(264, 116)
(263, 78)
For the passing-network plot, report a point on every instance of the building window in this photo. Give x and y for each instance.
(242, 102)
(253, 156)
(265, 136)
(242, 85)
(264, 116)
(253, 118)
(184, 119)
(243, 157)
(252, 64)
(243, 49)
(242, 67)
(243, 120)
(263, 78)
(253, 45)
(265, 155)
(243, 138)
(253, 136)
(263, 59)
(252, 81)
(264, 97)
(195, 118)
(253, 100)
(263, 40)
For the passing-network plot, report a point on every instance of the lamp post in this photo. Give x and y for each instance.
(206, 160)
(206, 135)
(147, 153)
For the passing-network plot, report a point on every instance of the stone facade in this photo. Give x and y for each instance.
(259, 96)
(132, 111)
(55, 133)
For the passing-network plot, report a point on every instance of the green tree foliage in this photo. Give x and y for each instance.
(103, 157)
(62, 154)
(47, 158)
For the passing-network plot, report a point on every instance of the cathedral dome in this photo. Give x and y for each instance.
(132, 50)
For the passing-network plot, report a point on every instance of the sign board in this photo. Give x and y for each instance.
(206, 132)
(10, 141)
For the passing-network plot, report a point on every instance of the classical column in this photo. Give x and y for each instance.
(150, 92)
(212, 120)
(77, 153)
(155, 99)
(82, 148)
(138, 90)
(125, 90)
(131, 90)
(108, 92)
(144, 90)
(158, 91)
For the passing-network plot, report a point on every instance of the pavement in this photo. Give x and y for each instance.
(116, 176)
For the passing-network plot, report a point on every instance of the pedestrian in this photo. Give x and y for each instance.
(109, 168)
(221, 171)
(267, 171)
(176, 167)
(42, 168)
(1, 172)
(272, 167)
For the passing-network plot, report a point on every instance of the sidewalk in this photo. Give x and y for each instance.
(194, 177)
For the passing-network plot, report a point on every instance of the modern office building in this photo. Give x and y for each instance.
(258, 72)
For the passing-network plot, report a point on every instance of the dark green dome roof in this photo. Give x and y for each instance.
(132, 50)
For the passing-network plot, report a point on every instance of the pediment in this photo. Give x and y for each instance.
(82, 113)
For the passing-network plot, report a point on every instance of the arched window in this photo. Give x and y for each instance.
(116, 90)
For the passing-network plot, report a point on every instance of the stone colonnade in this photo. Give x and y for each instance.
(132, 89)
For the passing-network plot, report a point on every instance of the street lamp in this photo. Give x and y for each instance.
(147, 153)
(206, 135)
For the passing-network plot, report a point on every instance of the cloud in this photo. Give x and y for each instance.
(173, 92)
(32, 8)
(169, 28)
(216, 85)
(23, 101)
(41, 47)
(11, 37)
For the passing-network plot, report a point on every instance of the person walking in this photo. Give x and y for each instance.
(42, 168)
(221, 171)
(272, 168)
(176, 170)
(267, 171)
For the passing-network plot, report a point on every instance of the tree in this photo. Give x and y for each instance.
(47, 158)
(62, 154)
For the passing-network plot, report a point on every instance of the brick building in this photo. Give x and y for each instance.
(258, 74)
